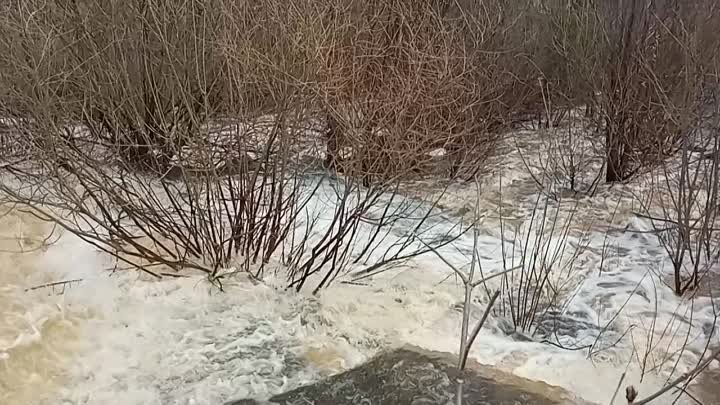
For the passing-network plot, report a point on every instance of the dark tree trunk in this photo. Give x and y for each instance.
(331, 143)
(614, 158)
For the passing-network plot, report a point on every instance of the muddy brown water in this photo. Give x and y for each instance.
(708, 387)
(36, 335)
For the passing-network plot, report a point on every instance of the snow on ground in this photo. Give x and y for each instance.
(118, 338)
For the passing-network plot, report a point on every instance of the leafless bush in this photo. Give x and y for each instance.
(544, 253)
(563, 159)
(562, 47)
(684, 214)
(173, 133)
(139, 78)
(570, 163)
(392, 82)
(120, 109)
(687, 111)
(645, 70)
(421, 76)
(624, 61)
(678, 384)
(366, 231)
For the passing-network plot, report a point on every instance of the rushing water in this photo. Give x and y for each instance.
(37, 333)
(117, 338)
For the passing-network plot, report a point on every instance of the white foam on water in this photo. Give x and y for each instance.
(38, 335)
(134, 341)
(180, 341)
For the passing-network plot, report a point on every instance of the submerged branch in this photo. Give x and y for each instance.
(55, 284)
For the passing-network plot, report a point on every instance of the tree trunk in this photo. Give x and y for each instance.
(613, 156)
(331, 143)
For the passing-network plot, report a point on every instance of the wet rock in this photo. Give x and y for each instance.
(506, 326)
(612, 284)
(412, 376)
(555, 323)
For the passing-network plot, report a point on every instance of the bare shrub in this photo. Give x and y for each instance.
(544, 254)
(684, 211)
(140, 78)
(392, 87)
(623, 61)
(687, 111)
(125, 146)
(561, 45)
(416, 79)
(650, 67)
(173, 134)
(563, 160)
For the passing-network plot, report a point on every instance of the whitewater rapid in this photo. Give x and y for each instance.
(118, 337)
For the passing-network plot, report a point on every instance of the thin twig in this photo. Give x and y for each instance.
(692, 373)
(477, 328)
(55, 284)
